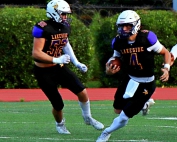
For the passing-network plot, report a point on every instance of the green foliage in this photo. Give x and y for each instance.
(81, 42)
(104, 31)
(16, 46)
(94, 62)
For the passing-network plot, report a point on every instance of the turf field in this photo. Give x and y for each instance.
(33, 122)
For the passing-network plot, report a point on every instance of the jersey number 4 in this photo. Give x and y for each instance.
(134, 61)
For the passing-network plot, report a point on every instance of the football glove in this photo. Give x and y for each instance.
(64, 59)
(81, 67)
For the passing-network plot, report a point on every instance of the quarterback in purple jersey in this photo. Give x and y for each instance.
(137, 49)
(51, 52)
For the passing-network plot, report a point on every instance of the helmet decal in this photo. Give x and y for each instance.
(55, 6)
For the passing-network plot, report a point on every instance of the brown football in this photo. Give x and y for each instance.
(115, 61)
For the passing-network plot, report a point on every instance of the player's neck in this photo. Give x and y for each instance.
(132, 38)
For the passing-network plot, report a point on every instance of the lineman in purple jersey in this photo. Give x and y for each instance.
(137, 49)
(50, 42)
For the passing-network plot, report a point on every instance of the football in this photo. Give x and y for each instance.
(114, 61)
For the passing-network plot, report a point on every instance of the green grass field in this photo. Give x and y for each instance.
(33, 122)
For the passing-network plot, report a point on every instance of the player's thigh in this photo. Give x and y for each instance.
(47, 81)
(141, 96)
(71, 81)
(119, 101)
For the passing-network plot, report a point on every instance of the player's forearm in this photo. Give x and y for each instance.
(167, 59)
(68, 50)
(41, 56)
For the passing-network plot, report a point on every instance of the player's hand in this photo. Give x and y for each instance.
(110, 69)
(42, 24)
(82, 67)
(165, 75)
(64, 59)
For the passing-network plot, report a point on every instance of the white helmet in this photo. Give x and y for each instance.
(128, 17)
(55, 8)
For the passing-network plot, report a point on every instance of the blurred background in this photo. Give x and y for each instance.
(92, 30)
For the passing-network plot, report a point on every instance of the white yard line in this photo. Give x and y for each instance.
(164, 118)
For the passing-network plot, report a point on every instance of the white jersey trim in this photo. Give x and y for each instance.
(143, 79)
(157, 47)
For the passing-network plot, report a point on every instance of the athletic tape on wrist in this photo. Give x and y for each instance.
(167, 66)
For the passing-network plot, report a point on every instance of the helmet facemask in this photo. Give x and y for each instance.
(134, 30)
(66, 21)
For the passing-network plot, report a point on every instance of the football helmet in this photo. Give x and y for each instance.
(57, 7)
(128, 17)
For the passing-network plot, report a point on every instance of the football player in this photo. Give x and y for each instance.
(137, 49)
(50, 41)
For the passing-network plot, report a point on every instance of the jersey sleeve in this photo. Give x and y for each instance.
(112, 43)
(156, 46)
(116, 53)
(152, 38)
(37, 32)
